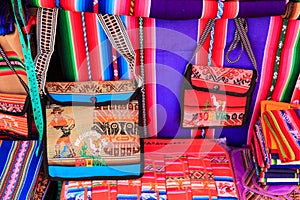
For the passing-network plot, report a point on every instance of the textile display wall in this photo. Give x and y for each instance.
(76, 54)
(168, 45)
(165, 9)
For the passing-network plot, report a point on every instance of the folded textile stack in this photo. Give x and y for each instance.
(276, 143)
(247, 180)
(174, 169)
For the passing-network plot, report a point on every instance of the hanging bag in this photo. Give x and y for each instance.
(94, 128)
(15, 108)
(218, 96)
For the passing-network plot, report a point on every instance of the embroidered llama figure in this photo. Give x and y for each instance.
(97, 145)
(218, 103)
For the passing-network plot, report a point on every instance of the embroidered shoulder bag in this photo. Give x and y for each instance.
(218, 96)
(16, 121)
(94, 128)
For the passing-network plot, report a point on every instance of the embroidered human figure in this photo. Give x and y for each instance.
(219, 103)
(65, 124)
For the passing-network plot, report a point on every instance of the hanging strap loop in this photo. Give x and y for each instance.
(240, 36)
(46, 32)
(117, 35)
(204, 35)
(31, 73)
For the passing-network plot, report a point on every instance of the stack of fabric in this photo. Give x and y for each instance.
(276, 143)
(174, 169)
(246, 180)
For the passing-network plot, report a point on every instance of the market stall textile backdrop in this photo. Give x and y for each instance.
(168, 45)
(175, 9)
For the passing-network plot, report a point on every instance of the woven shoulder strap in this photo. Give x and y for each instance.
(46, 32)
(30, 70)
(203, 36)
(117, 34)
(240, 36)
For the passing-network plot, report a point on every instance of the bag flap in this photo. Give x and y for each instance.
(224, 80)
(91, 91)
(15, 104)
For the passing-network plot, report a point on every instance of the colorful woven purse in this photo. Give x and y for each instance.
(94, 128)
(218, 96)
(15, 108)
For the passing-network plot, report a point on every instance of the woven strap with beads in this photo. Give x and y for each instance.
(46, 19)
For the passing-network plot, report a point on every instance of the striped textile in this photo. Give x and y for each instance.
(273, 165)
(296, 94)
(174, 169)
(177, 180)
(202, 178)
(284, 125)
(153, 180)
(168, 44)
(248, 186)
(289, 68)
(259, 146)
(75, 190)
(13, 114)
(175, 9)
(16, 62)
(10, 84)
(129, 189)
(104, 189)
(265, 107)
(13, 98)
(267, 69)
(87, 50)
(175, 40)
(275, 145)
(19, 167)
